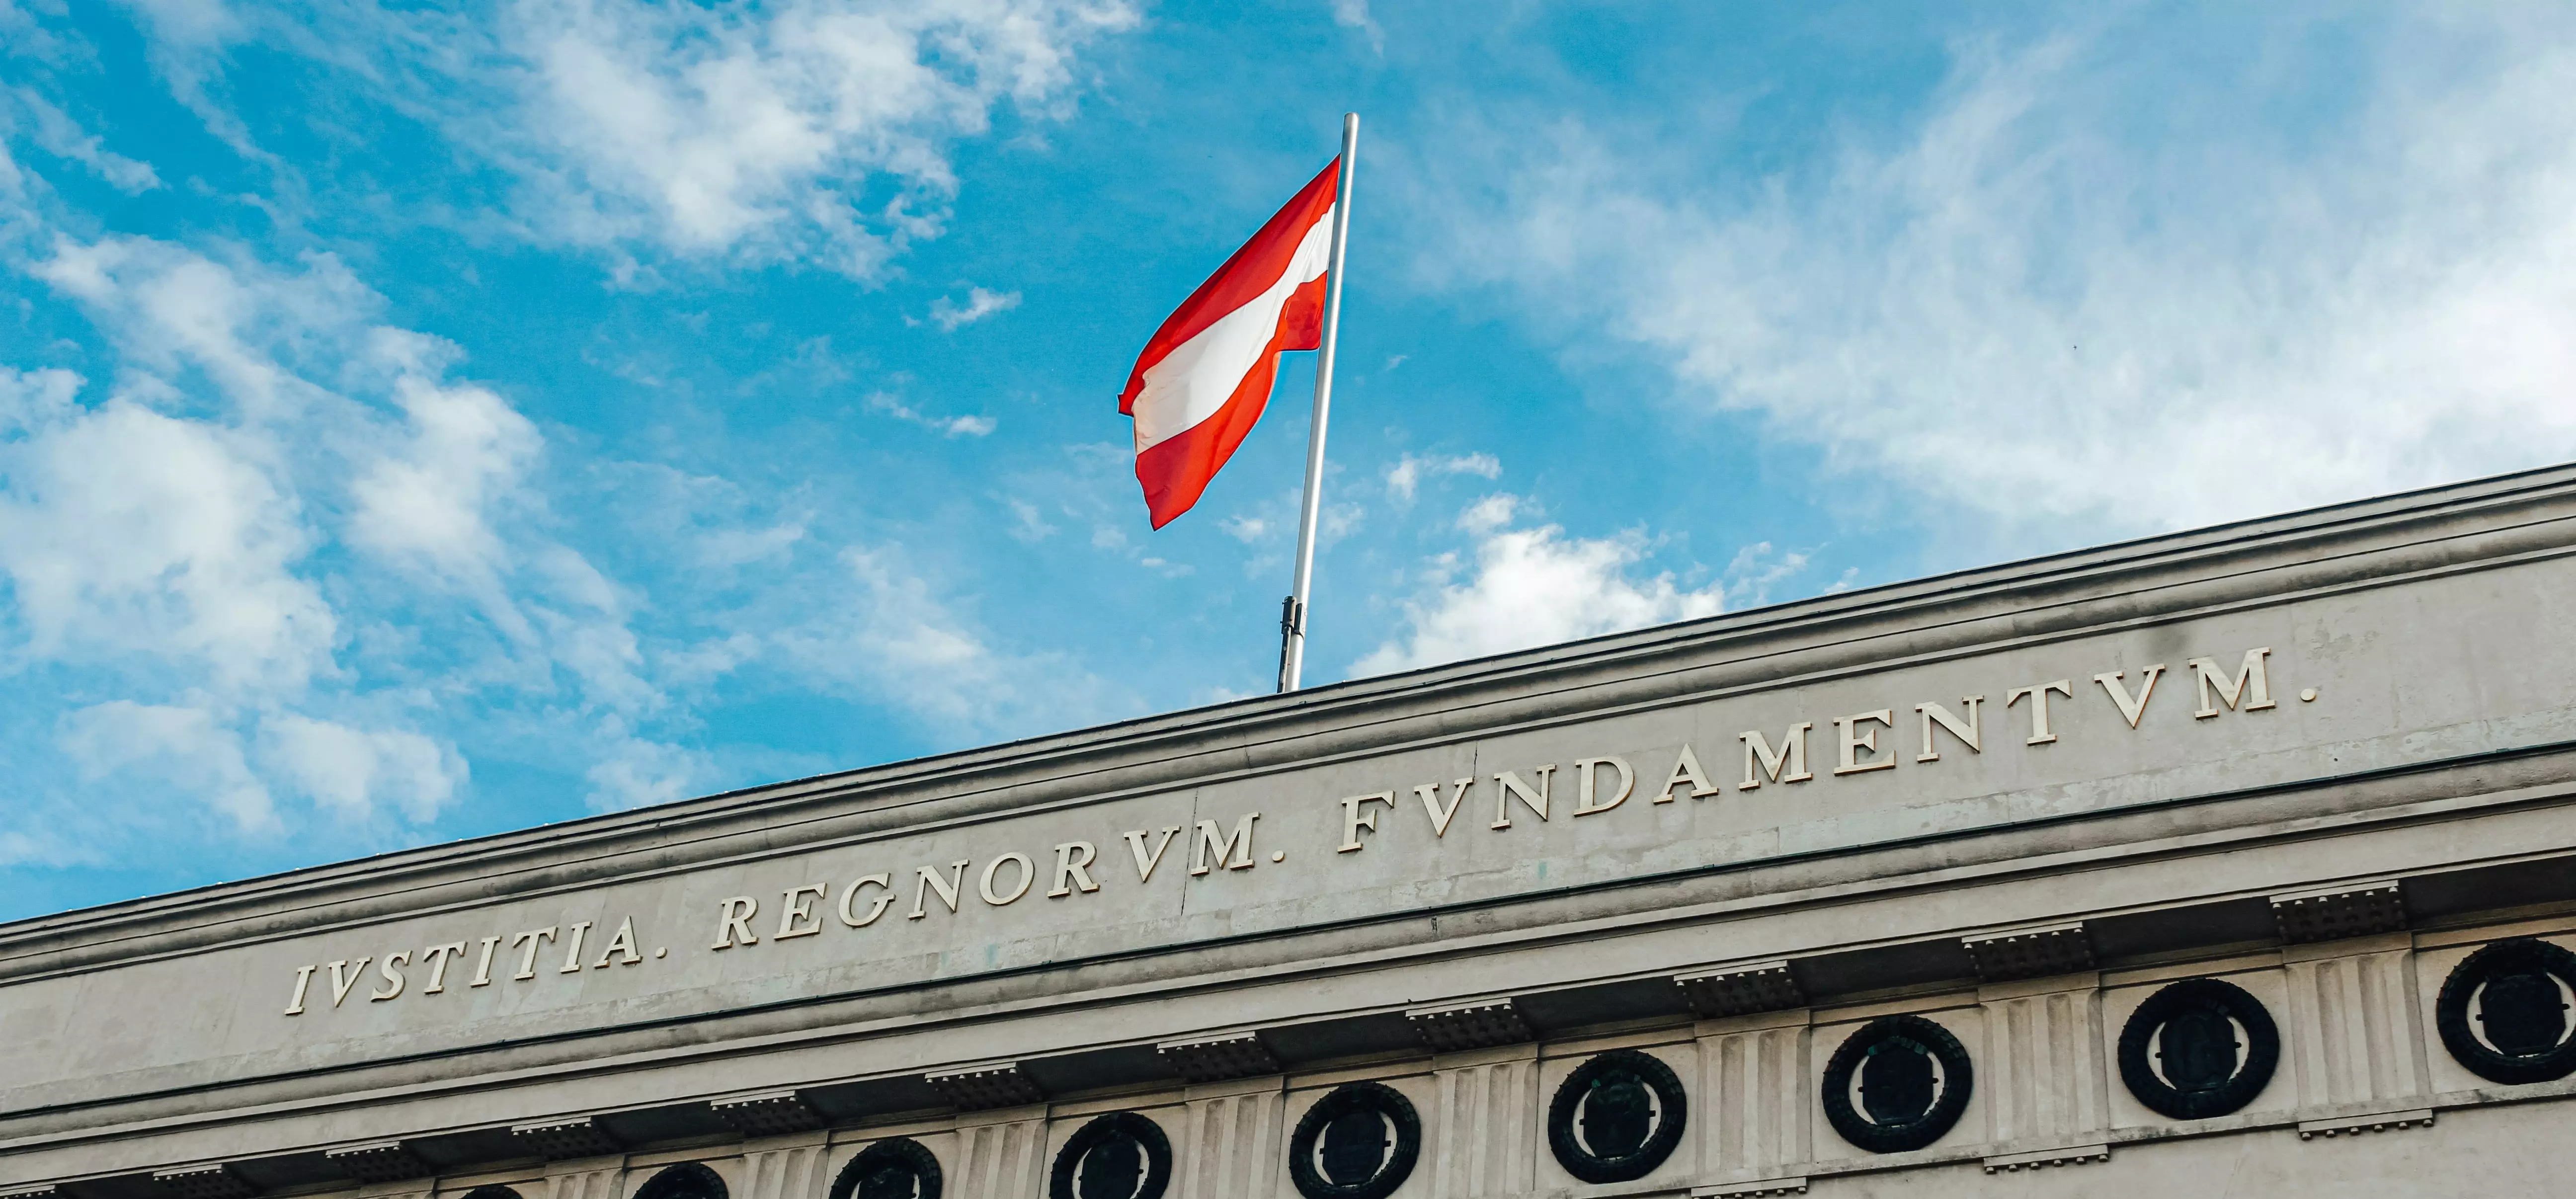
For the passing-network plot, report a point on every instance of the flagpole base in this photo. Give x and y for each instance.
(1292, 642)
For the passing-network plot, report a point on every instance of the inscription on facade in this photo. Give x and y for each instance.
(393, 969)
(1859, 743)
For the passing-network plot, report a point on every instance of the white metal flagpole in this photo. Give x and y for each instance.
(1292, 613)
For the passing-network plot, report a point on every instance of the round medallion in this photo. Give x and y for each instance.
(1897, 1084)
(2504, 1012)
(688, 1180)
(1358, 1142)
(1118, 1156)
(897, 1169)
(2198, 1048)
(1617, 1117)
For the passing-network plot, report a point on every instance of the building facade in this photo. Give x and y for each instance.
(2233, 862)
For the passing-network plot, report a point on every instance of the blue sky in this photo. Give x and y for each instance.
(418, 421)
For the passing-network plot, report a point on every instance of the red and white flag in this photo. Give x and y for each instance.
(1204, 378)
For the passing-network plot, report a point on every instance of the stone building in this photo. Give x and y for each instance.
(2234, 862)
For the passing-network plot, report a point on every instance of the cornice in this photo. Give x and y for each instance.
(2380, 800)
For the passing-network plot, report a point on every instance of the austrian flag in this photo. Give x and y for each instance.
(1202, 381)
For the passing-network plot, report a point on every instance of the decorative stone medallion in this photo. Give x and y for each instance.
(1617, 1117)
(893, 1169)
(1121, 1155)
(2504, 1012)
(688, 1180)
(1358, 1142)
(1897, 1084)
(2198, 1048)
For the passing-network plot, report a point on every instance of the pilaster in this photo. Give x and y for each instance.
(1487, 1139)
(1002, 1158)
(2353, 1033)
(1234, 1147)
(2044, 1076)
(586, 1178)
(1753, 1099)
(786, 1169)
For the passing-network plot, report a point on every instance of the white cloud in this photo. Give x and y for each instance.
(1354, 14)
(1490, 513)
(634, 773)
(1028, 525)
(187, 45)
(1758, 567)
(1530, 587)
(353, 771)
(13, 194)
(128, 536)
(44, 846)
(896, 639)
(179, 534)
(170, 551)
(947, 426)
(907, 637)
(753, 132)
(441, 493)
(801, 132)
(2040, 308)
(429, 501)
(58, 134)
(23, 36)
(948, 314)
(38, 399)
(242, 323)
(706, 524)
(582, 614)
(1407, 474)
(726, 549)
(184, 749)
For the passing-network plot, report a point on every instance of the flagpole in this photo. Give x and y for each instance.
(1292, 613)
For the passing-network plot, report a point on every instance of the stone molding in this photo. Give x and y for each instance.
(1218, 1058)
(561, 1140)
(2346, 910)
(1475, 1024)
(767, 1114)
(981, 1088)
(213, 1181)
(378, 1161)
(1741, 990)
(2035, 952)
(2421, 1117)
(2069, 1155)
(1748, 1190)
